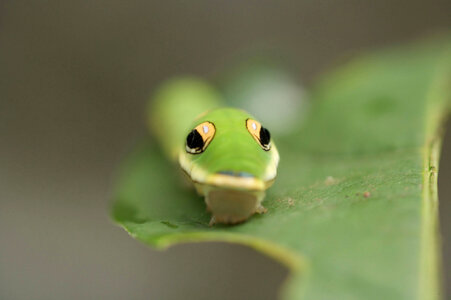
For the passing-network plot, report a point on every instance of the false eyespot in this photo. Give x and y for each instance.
(200, 137)
(259, 133)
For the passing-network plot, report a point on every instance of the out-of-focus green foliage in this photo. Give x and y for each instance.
(353, 211)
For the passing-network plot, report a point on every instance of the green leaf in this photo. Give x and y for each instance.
(353, 212)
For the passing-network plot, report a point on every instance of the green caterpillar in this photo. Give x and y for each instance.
(227, 154)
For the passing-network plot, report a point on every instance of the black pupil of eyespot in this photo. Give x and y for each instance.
(265, 136)
(194, 140)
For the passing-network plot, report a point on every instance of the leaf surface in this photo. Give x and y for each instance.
(353, 212)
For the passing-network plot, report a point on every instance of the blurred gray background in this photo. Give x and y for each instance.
(74, 79)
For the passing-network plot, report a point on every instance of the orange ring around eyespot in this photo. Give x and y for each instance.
(207, 131)
(254, 128)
